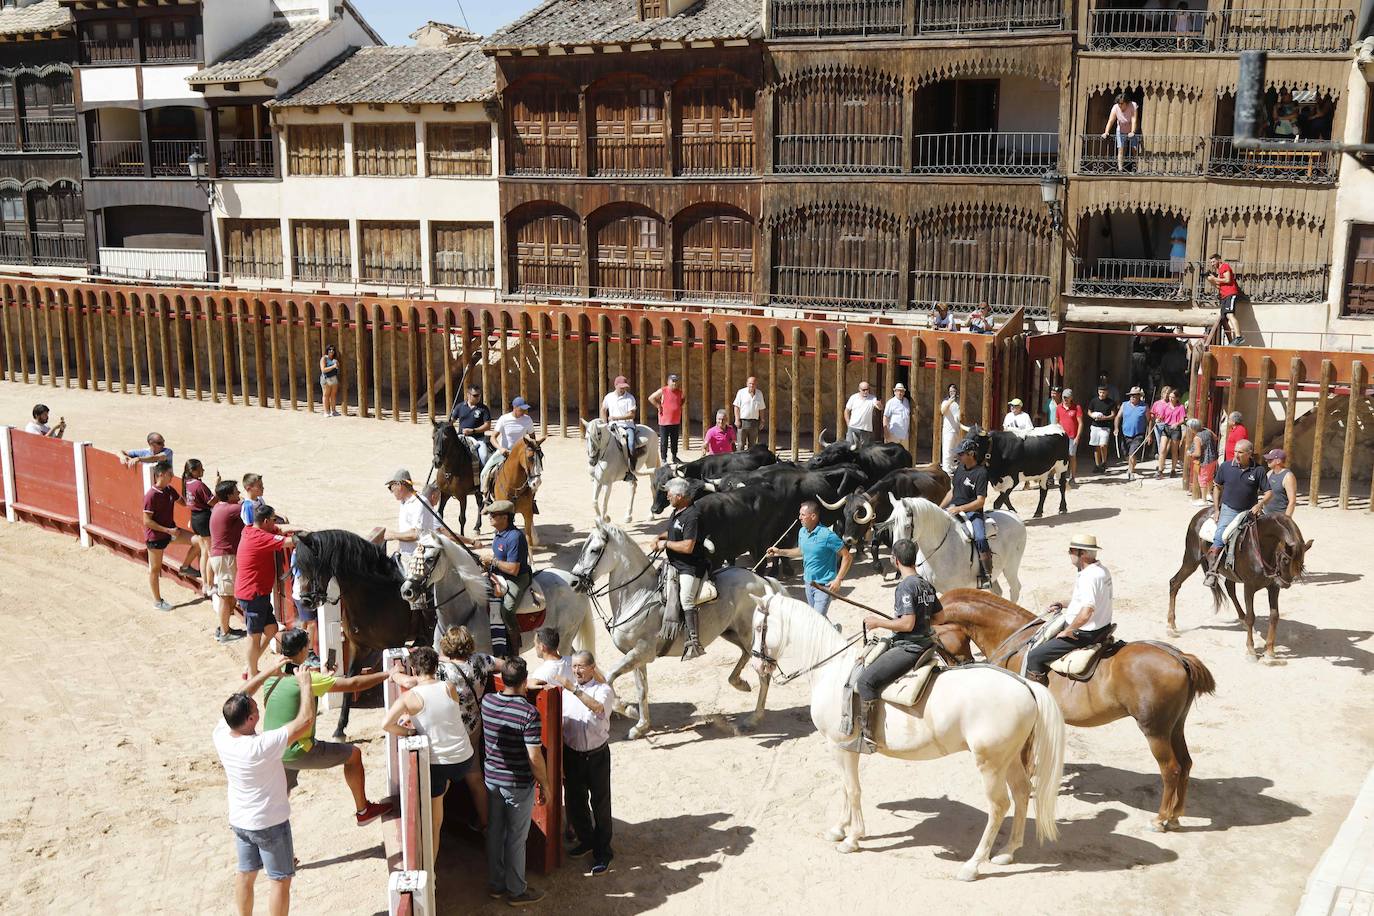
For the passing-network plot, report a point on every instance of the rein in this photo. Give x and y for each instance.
(996, 656)
(783, 677)
(595, 594)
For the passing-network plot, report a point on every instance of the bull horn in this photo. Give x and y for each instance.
(823, 442)
(854, 446)
(869, 514)
(833, 507)
(713, 485)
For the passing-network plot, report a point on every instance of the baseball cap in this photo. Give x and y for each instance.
(674, 377)
(620, 380)
(1274, 453)
(521, 403)
(1014, 402)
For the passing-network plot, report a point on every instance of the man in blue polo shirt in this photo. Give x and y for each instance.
(824, 559)
(1235, 491)
(509, 565)
(1131, 421)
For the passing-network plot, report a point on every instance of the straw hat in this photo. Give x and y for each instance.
(1084, 541)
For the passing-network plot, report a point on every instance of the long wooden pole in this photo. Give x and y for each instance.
(1352, 425)
(795, 390)
(1319, 435)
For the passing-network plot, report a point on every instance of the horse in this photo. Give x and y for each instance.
(606, 464)
(636, 623)
(457, 476)
(951, 562)
(1153, 683)
(373, 616)
(1270, 557)
(1013, 727)
(518, 480)
(443, 575)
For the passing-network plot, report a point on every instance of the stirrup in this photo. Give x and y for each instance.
(692, 649)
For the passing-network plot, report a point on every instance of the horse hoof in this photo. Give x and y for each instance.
(639, 731)
(740, 684)
(848, 846)
(1003, 858)
(1158, 826)
(1273, 661)
(967, 873)
(834, 834)
(1038, 515)
(1250, 656)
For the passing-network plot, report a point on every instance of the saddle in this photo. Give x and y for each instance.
(1080, 664)
(1231, 540)
(908, 690)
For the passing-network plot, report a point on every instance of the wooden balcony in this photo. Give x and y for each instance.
(1003, 293)
(108, 51)
(56, 249)
(558, 156)
(861, 18)
(1314, 29)
(628, 156)
(9, 136)
(14, 248)
(50, 135)
(985, 153)
(1133, 278)
(839, 153)
(1145, 156)
(1308, 166)
(714, 155)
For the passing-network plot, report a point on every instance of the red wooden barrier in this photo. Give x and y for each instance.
(117, 512)
(45, 481)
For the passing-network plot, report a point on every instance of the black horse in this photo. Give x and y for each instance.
(373, 614)
(456, 476)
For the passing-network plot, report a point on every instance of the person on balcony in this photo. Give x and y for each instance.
(1178, 252)
(1125, 116)
(941, 319)
(980, 322)
(1285, 116)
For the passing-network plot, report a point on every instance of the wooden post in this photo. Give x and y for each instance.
(1319, 436)
(309, 365)
(446, 354)
(583, 357)
(136, 373)
(163, 315)
(564, 330)
(1352, 424)
(542, 348)
(965, 369)
(1236, 383)
(686, 380)
(936, 420)
(642, 383)
(989, 382)
(817, 421)
(258, 311)
(894, 357)
(241, 337)
(192, 325)
(795, 390)
(731, 342)
(269, 316)
(364, 356)
(751, 347)
(913, 383)
(149, 303)
(212, 322)
(1266, 378)
(624, 353)
(1295, 374)
(707, 344)
(6, 309)
(68, 313)
(412, 340)
(841, 364)
(102, 304)
(376, 333)
(393, 331)
(486, 326)
(50, 306)
(503, 351)
(1208, 387)
(179, 346)
(427, 343)
(522, 356)
(774, 344)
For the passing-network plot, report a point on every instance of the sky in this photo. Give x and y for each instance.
(396, 19)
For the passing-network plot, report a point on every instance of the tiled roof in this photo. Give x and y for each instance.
(400, 76)
(266, 49)
(43, 16)
(570, 22)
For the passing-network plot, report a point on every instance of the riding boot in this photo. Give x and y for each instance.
(693, 647)
(512, 625)
(1039, 677)
(868, 723)
(1210, 563)
(985, 569)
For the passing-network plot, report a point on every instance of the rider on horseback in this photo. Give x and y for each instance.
(1235, 492)
(913, 605)
(509, 568)
(686, 555)
(510, 428)
(618, 409)
(965, 500)
(472, 419)
(1090, 609)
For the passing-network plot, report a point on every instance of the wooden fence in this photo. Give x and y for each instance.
(404, 359)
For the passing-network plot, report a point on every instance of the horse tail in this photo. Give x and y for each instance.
(586, 630)
(1199, 676)
(1047, 761)
(1218, 596)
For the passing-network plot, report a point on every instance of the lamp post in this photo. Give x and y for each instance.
(1051, 192)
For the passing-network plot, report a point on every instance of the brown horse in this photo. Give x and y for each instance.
(455, 473)
(1270, 556)
(1152, 683)
(518, 479)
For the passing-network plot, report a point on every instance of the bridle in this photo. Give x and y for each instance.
(585, 583)
(420, 568)
(770, 663)
(596, 444)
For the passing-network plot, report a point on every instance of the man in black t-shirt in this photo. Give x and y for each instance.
(686, 555)
(472, 419)
(1102, 410)
(966, 498)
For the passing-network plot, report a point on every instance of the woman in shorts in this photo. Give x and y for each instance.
(1204, 454)
(329, 380)
(1169, 415)
(199, 500)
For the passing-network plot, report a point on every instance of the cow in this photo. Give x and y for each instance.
(1037, 455)
(866, 508)
(794, 485)
(877, 459)
(710, 466)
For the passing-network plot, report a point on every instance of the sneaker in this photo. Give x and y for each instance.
(221, 637)
(580, 850)
(190, 571)
(161, 605)
(1238, 341)
(236, 632)
(528, 896)
(600, 868)
(373, 811)
(495, 893)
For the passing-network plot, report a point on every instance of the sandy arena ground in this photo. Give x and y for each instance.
(114, 801)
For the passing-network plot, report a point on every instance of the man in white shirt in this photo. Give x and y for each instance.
(552, 666)
(897, 416)
(259, 811)
(414, 517)
(618, 409)
(587, 708)
(1089, 612)
(509, 429)
(1017, 418)
(39, 424)
(749, 411)
(858, 415)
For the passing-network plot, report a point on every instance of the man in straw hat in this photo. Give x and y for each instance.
(508, 564)
(1090, 609)
(413, 519)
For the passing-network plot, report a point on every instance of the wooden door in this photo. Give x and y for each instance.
(548, 252)
(716, 126)
(629, 254)
(1358, 298)
(716, 255)
(628, 131)
(544, 128)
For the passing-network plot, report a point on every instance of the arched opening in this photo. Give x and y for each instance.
(48, 110)
(59, 225)
(994, 256)
(1142, 130)
(1134, 254)
(1277, 256)
(628, 252)
(545, 249)
(838, 255)
(714, 254)
(1302, 117)
(715, 124)
(627, 128)
(543, 127)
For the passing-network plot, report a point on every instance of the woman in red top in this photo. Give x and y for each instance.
(1235, 432)
(199, 500)
(668, 401)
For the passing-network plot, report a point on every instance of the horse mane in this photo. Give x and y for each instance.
(807, 633)
(324, 554)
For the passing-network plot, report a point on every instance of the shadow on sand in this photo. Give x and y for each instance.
(1232, 801)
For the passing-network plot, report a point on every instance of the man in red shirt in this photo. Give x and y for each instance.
(1223, 279)
(668, 402)
(1069, 415)
(256, 579)
(1235, 432)
(226, 526)
(160, 528)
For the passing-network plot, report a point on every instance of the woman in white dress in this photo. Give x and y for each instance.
(951, 432)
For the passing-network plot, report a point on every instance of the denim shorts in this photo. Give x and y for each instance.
(442, 775)
(258, 614)
(270, 847)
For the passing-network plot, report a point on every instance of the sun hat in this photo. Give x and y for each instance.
(1014, 402)
(400, 476)
(1084, 541)
(1136, 390)
(899, 387)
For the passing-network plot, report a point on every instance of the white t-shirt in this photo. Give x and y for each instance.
(1092, 588)
(584, 730)
(257, 780)
(749, 405)
(897, 416)
(510, 429)
(619, 405)
(951, 415)
(38, 429)
(861, 410)
(413, 517)
(552, 668)
(1020, 420)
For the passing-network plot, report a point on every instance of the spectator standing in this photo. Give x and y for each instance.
(721, 437)
(1104, 381)
(1052, 406)
(750, 411)
(1017, 418)
(472, 418)
(897, 416)
(1235, 432)
(39, 424)
(1123, 118)
(1070, 418)
(160, 529)
(199, 499)
(329, 381)
(1223, 279)
(252, 489)
(461, 665)
(859, 411)
(950, 430)
(825, 561)
(1178, 250)
(1102, 411)
(1169, 417)
(514, 771)
(256, 579)
(1131, 422)
(156, 451)
(668, 402)
(1203, 451)
(552, 665)
(413, 518)
(259, 810)
(587, 708)
(1280, 492)
(226, 527)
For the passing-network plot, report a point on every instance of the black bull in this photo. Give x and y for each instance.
(877, 459)
(1038, 456)
(709, 467)
(873, 506)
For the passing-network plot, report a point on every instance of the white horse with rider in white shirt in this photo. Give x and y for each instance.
(618, 448)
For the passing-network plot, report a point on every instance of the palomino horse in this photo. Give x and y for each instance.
(636, 624)
(1269, 556)
(1012, 727)
(518, 480)
(373, 615)
(456, 473)
(947, 558)
(606, 464)
(1152, 683)
(445, 577)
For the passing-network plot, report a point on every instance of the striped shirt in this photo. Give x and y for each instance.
(509, 724)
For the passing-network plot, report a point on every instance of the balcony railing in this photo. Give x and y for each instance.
(1151, 30)
(169, 156)
(544, 157)
(247, 158)
(114, 158)
(988, 15)
(1150, 155)
(55, 249)
(1309, 166)
(323, 269)
(549, 276)
(50, 134)
(835, 153)
(704, 281)
(165, 50)
(820, 18)
(9, 136)
(107, 50)
(627, 155)
(252, 267)
(817, 18)
(1004, 293)
(715, 155)
(840, 287)
(1296, 29)
(1134, 278)
(1274, 281)
(14, 247)
(990, 153)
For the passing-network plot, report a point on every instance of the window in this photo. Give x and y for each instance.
(464, 254)
(315, 149)
(390, 252)
(457, 149)
(12, 210)
(544, 128)
(169, 39)
(1358, 298)
(321, 250)
(107, 42)
(252, 247)
(384, 149)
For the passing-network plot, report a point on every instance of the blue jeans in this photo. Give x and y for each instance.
(508, 826)
(980, 530)
(819, 600)
(270, 847)
(1225, 518)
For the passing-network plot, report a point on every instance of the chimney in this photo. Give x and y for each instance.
(442, 35)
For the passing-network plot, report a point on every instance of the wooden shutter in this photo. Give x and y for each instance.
(544, 128)
(315, 149)
(390, 252)
(464, 254)
(321, 250)
(629, 253)
(628, 133)
(384, 149)
(252, 247)
(1359, 271)
(716, 127)
(457, 149)
(716, 256)
(548, 252)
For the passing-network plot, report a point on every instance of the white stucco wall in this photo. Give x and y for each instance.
(169, 83)
(1354, 201)
(227, 23)
(109, 84)
(1027, 104)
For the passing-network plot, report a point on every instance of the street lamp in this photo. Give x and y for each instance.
(1051, 189)
(196, 165)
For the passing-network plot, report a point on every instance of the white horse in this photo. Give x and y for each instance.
(636, 624)
(607, 463)
(1013, 728)
(947, 557)
(443, 572)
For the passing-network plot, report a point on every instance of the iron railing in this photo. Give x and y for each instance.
(252, 267)
(114, 158)
(1134, 278)
(557, 156)
(878, 153)
(108, 50)
(1167, 31)
(820, 18)
(247, 158)
(318, 268)
(1274, 281)
(941, 16)
(1298, 162)
(1295, 29)
(626, 280)
(57, 249)
(14, 247)
(1152, 155)
(986, 153)
(49, 135)
(1002, 293)
(9, 136)
(169, 156)
(840, 287)
(715, 155)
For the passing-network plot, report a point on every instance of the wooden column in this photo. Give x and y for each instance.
(751, 346)
(108, 375)
(80, 339)
(584, 137)
(485, 343)
(817, 420)
(707, 342)
(1295, 374)
(163, 315)
(393, 331)
(503, 351)
(212, 322)
(625, 363)
(583, 345)
(522, 357)
(149, 304)
(271, 317)
(446, 354)
(642, 384)
(841, 364)
(731, 342)
(564, 330)
(774, 344)
(938, 395)
(542, 349)
(192, 326)
(1319, 436)
(358, 312)
(1352, 425)
(310, 366)
(1266, 378)
(686, 380)
(259, 356)
(241, 333)
(795, 391)
(603, 359)
(427, 346)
